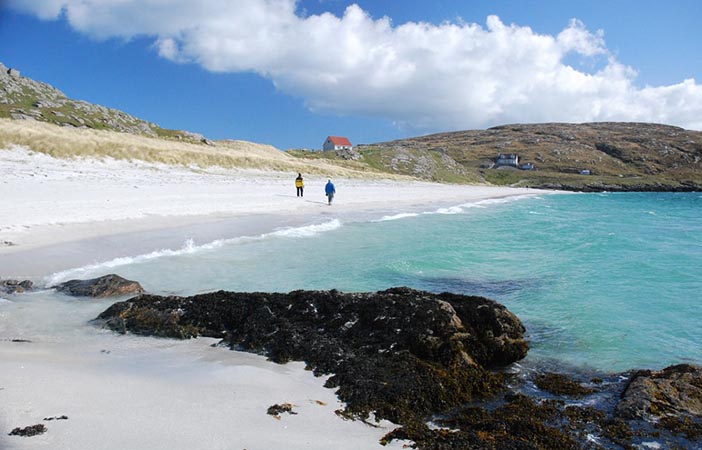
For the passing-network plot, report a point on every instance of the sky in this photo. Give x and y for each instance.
(289, 73)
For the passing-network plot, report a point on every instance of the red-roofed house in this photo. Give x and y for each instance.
(337, 143)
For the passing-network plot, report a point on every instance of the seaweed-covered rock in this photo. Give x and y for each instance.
(278, 409)
(32, 430)
(15, 286)
(401, 353)
(518, 424)
(561, 384)
(672, 392)
(106, 286)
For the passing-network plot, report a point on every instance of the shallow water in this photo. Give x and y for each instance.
(602, 281)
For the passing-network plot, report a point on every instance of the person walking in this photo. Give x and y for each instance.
(330, 190)
(300, 185)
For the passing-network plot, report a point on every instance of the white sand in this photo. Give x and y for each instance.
(144, 393)
(129, 392)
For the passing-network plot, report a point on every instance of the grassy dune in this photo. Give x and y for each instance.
(68, 142)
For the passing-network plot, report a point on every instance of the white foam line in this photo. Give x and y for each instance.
(396, 217)
(307, 231)
(462, 208)
(188, 248)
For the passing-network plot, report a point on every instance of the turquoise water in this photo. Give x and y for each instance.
(602, 281)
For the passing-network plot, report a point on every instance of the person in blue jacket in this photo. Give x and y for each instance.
(330, 190)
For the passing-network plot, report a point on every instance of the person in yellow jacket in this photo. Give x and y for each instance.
(299, 184)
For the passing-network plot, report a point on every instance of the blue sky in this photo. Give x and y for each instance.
(290, 73)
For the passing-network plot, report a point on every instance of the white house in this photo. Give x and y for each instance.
(507, 160)
(337, 143)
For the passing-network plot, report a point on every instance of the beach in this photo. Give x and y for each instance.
(70, 212)
(136, 392)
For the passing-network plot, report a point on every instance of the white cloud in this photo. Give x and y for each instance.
(423, 76)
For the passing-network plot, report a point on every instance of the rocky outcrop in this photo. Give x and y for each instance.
(15, 286)
(411, 356)
(401, 353)
(106, 286)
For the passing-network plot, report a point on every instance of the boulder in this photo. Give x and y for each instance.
(675, 391)
(106, 286)
(400, 353)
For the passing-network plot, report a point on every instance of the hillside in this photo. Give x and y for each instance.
(38, 116)
(620, 156)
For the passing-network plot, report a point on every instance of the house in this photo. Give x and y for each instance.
(507, 160)
(337, 143)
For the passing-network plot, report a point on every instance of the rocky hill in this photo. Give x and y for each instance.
(618, 156)
(24, 98)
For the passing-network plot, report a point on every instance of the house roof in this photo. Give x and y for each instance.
(339, 140)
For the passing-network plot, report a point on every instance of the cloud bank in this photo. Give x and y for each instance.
(421, 76)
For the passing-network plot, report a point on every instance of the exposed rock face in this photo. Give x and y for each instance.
(15, 286)
(674, 391)
(402, 353)
(25, 99)
(106, 286)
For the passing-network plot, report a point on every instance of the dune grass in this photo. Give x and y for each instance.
(69, 142)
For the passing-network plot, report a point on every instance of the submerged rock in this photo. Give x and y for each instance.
(401, 353)
(106, 286)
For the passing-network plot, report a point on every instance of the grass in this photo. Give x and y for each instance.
(69, 142)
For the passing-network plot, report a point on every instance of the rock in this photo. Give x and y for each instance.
(106, 286)
(277, 410)
(349, 154)
(32, 430)
(400, 353)
(63, 417)
(675, 391)
(15, 286)
(560, 384)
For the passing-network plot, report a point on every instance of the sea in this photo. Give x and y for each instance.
(604, 282)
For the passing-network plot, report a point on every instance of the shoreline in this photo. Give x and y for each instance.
(90, 243)
(68, 213)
